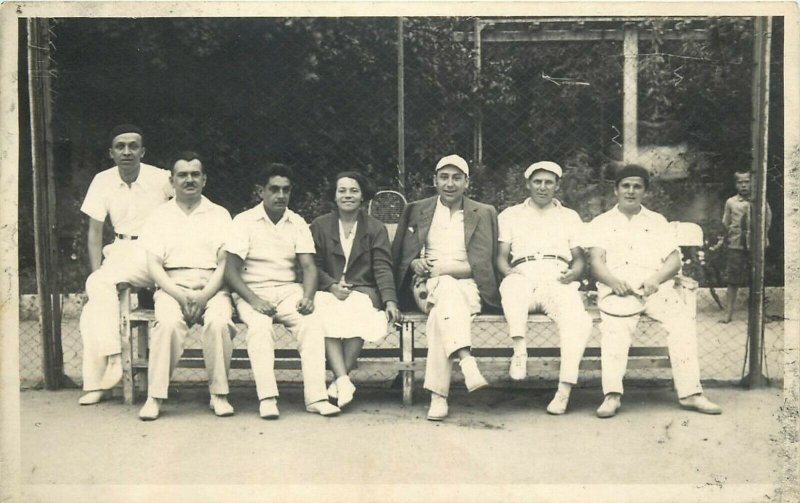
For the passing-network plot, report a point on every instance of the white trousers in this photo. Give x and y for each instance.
(667, 307)
(261, 343)
(452, 303)
(169, 334)
(125, 262)
(521, 295)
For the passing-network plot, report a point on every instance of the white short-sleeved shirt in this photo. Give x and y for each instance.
(269, 249)
(635, 248)
(529, 231)
(445, 239)
(128, 207)
(187, 241)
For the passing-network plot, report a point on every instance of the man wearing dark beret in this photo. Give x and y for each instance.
(634, 250)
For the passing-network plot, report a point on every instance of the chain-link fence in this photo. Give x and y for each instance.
(321, 95)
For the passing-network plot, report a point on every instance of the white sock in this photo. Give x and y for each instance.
(564, 388)
(518, 343)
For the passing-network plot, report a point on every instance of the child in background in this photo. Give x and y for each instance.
(736, 219)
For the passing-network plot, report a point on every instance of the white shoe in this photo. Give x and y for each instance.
(268, 408)
(518, 370)
(333, 392)
(150, 409)
(323, 408)
(700, 403)
(346, 391)
(438, 408)
(558, 405)
(113, 373)
(219, 404)
(610, 405)
(473, 379)
(93, 397)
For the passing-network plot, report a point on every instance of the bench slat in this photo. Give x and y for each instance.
(590, 352)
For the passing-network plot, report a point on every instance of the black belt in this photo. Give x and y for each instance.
(531, 258)
(126, 237)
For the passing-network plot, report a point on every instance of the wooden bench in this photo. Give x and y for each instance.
(135, 325)
(406, 359)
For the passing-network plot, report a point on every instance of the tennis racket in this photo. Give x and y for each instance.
(387, 206)
(622, 306)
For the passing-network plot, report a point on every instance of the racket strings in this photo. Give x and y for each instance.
(387, 206)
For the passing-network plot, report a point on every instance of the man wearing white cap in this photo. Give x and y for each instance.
(125, 194)
(448, 243)
(540, 259)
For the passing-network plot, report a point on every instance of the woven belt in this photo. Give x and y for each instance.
(531, 258)
(126, 237)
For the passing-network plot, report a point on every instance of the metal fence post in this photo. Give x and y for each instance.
(401, 109)
(760, 130)
(44, 201)
(478, 132)
(630, 94)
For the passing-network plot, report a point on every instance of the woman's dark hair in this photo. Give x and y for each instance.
(364, 183)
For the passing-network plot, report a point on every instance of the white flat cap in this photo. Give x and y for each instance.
(453, 160)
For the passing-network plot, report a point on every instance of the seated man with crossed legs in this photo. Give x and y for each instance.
(459, 239)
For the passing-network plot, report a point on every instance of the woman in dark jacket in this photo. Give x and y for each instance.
(356, 295)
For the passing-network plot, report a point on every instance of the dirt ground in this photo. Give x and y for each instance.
(499, 440)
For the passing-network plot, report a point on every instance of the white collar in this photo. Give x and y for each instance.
(122, 182)
(286, 217)
(204, 206)
(555, 203)
(643, 212)
(441, 207)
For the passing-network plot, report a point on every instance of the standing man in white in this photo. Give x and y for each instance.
(184, 240)
(634, 249)
(126, 194)
(267, 241)
(541, 261)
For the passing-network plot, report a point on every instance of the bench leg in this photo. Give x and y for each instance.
(142, 334)
(126, 335)
(408, 387)
(407, 356)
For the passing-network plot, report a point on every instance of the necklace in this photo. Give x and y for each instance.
(347, 227)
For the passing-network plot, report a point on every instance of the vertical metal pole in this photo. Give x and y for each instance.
(44, 201)
(630, 94)
(760, 130)
(401, 109)
(477, 139)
